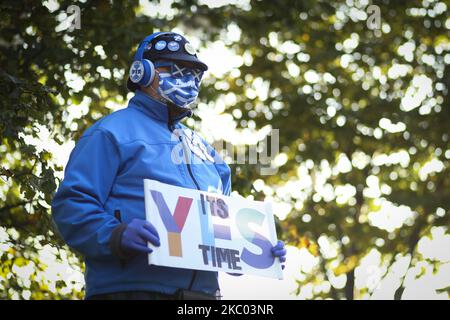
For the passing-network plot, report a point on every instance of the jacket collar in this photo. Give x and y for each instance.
(154, 108)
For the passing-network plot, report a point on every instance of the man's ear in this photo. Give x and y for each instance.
(152, 89)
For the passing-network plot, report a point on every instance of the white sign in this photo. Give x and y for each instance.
(208, 231)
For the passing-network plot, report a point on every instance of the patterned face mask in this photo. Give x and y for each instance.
(180, 85)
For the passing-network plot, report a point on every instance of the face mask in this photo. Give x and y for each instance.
(180, 86)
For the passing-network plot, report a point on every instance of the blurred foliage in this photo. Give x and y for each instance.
(332, 90)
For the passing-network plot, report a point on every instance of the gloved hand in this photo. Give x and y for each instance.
(136, 235)
(279, 251)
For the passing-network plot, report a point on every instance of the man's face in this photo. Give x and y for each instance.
(177, 82)
(181, 84)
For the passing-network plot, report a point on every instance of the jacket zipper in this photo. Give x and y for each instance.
(188, 165)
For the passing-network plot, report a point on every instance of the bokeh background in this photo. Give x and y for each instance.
(362, 189)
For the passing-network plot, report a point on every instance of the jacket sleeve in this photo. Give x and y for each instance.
(78, 205)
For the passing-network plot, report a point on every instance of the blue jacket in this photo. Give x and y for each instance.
(102, 191)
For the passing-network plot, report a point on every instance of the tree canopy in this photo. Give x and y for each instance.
(362, 114)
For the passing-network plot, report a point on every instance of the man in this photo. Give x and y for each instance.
(99, 207)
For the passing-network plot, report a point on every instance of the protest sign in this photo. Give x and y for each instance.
(209, 231)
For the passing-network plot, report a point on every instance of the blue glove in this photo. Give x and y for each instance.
(136, 235)
(279, 251)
